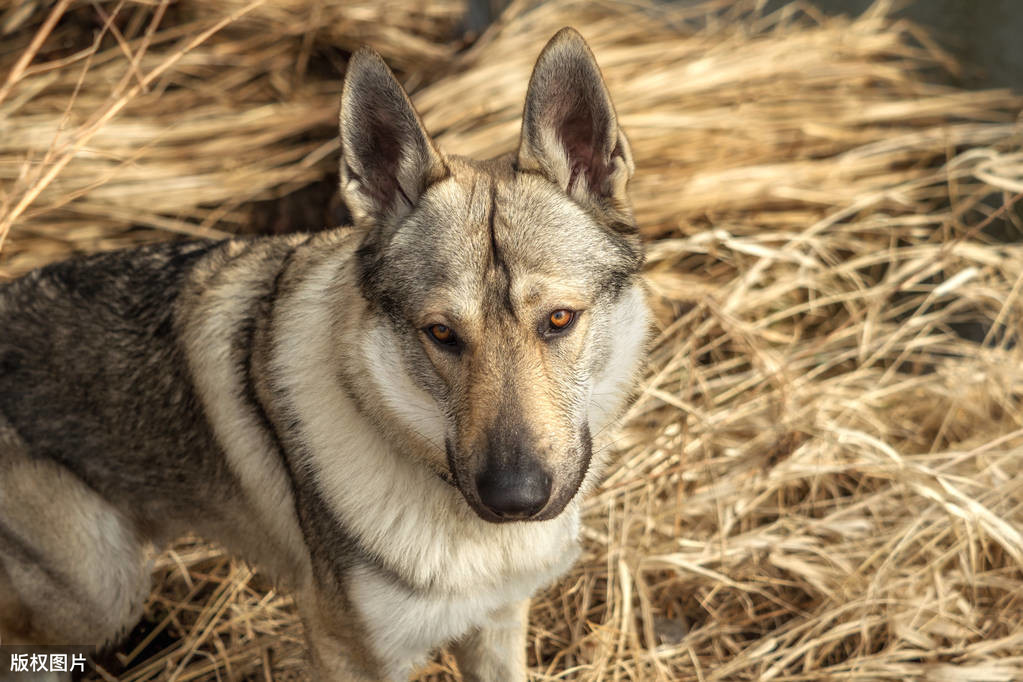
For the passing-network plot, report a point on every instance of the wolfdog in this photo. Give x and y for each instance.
(396, 420)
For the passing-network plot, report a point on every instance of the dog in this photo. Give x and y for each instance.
(397, 420)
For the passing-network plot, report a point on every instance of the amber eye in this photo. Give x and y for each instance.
(442, 334)
(560, 319)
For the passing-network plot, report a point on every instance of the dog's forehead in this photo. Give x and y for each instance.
(487, 227)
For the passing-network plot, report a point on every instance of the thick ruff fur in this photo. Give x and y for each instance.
(395, 420)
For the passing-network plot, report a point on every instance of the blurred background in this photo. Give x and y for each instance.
(984, 35)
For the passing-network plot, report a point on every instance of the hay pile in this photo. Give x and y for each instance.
(139, 119)
(823, 475)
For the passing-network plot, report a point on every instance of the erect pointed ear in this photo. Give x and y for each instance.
(570, 132)
(387, 159)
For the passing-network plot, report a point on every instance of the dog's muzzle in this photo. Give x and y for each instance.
(514, 493)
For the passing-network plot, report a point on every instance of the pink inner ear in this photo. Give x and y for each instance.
(379, 150)
(384, 153)
(581, 137)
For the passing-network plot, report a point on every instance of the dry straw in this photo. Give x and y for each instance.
(136, 119)
(822, 477)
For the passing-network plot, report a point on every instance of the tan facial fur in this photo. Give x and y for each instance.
(495, 253)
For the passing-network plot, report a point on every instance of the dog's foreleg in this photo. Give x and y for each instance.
(496, 652)
(336, 647)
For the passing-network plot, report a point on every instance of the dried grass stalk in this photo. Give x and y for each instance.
(176, 116)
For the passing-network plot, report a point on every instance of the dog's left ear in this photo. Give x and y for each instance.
(570, 131)
(387, 158)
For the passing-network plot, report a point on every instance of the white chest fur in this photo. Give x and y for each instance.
(406, 624)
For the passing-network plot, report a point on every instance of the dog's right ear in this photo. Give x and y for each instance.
(387, 159)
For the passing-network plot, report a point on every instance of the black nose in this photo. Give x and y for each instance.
(514, 493)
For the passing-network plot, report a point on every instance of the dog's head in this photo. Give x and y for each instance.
(510, 316)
